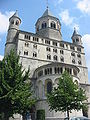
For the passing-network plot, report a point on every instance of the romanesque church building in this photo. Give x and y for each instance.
(48, 56)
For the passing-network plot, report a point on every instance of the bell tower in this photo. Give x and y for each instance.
(49, 26)
(13, 29)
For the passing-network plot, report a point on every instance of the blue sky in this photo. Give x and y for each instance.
(72, 13)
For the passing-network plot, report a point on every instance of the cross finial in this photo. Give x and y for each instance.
(47, 3)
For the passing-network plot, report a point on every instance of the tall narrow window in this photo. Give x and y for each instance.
(48, 49)
(79, 49)
(79, 62)
(25, 52)
(73, 61)
(55, 50)
(49, 87)
(26, 44)
(34, 54)
(61, 52)
(62, 59)
(44, 25)
(78, 55)
(17, 22)
(49, 57)
(55, 58)
(53, 25)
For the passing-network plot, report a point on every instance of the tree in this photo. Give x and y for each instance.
(15, 87)
(66, 96)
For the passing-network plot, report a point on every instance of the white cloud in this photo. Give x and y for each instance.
(4, 21)
(68, 20)
(84, 6)
(65, 17)
(59, 1)
(76, 26)
(1, 57)
(86, 43)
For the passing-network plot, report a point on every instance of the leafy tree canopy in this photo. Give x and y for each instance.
(15, 87)
(67, 95)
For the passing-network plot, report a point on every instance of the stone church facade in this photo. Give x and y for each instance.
(48, 56)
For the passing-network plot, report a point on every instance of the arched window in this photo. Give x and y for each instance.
(73, 61)
(55, 58)
(49, 57)
(77, 40)
(62, 59)
(78, 55)
(48, 71)
(25, 52)
(61, 52)
(72, 54)
(53, 25)
(49, 87)
(79, 62)
(44, 25)
(17, 22)
(48, 49)
(12, 22)
(34, 54)
(26, 44)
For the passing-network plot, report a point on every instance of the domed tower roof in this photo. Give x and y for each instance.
(49, 26)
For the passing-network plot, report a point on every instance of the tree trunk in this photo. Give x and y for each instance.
(68, 114)
(6, 117)
(24, 116)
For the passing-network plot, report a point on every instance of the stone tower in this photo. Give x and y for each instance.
(76, 38)
(11, 42)
(49, 26)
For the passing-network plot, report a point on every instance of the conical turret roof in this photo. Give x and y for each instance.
(16, 14)
(47, 13)
(75, 33)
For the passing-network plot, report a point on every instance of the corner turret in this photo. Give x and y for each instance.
(14, 23)
(76, 38)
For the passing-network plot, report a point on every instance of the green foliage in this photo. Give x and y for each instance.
(40, 114)
(66, 96)
(15, 91)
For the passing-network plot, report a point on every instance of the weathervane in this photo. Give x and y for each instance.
(47, 3)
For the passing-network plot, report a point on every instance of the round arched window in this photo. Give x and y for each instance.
(17, 22)
(44, 25)
(12, 22)
(53, 25)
